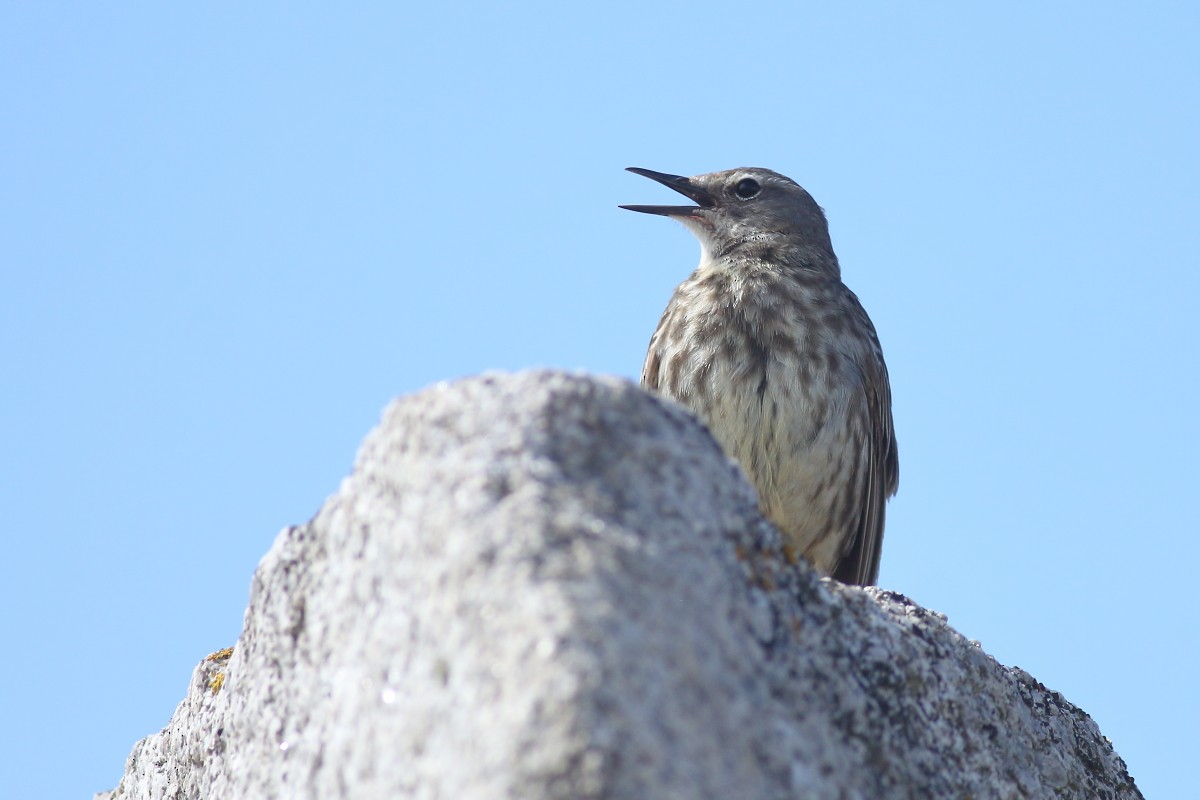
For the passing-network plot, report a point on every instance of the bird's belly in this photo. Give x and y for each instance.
(793, 435)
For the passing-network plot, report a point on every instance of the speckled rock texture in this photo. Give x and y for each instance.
(548, 585)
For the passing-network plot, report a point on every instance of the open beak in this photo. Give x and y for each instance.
(680, 184)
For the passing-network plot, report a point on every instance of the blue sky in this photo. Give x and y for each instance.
(230, 235)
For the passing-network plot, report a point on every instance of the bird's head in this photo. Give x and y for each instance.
(748, 209)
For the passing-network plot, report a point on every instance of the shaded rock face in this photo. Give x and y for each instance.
(547, 585)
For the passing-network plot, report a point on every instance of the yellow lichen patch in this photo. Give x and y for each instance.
(217, 682)
(221, 655)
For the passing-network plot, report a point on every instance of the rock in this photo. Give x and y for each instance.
(547, 585)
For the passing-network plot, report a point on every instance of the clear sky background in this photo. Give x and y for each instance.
(230, 235)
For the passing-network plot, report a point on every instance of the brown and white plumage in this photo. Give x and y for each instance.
(772, 351)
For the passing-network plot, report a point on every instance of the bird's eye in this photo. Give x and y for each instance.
(746, 188)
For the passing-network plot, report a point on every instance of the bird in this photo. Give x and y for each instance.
(777, 357)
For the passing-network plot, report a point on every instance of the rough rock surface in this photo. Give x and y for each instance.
(555, 586)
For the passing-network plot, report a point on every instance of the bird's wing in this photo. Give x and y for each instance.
(653, 362)
(860, 564)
